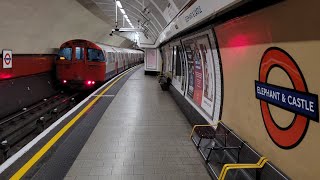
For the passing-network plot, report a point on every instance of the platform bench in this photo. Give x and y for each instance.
(219, 146)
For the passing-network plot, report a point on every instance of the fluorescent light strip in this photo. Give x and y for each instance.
(122, 10)
(119, 4)
(124, 13)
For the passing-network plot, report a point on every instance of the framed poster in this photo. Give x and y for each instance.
(178, 67)
(201, 70)
(152, 59)
(190, 68)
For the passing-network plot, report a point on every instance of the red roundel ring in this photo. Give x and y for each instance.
(7, 56)
(292, 135)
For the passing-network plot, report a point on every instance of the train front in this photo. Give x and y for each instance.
(80, 65)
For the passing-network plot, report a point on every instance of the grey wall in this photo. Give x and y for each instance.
(24, 91)
(40, 26)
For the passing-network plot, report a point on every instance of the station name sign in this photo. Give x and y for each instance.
(297, 100)
(302, 103)
(193, 13)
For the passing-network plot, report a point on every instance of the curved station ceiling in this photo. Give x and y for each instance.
(149, 16)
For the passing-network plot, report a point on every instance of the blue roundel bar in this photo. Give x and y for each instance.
(302, 103)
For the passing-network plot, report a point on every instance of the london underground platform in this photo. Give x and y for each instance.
(142, 134)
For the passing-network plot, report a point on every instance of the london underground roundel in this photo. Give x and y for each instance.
(7, 58)
(297, 100)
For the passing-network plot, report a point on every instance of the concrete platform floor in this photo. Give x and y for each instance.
(142, 135)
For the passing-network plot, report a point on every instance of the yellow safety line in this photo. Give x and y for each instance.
(24, 169)
(262, 161)
(203, 125)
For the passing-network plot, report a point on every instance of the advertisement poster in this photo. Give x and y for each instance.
(170, 12)
(174, 62)
(195, 82)
(178, 80)
(151, 58)
(183, 65)
(200, 86)
(164, 59)
(208, 74)
(169, 59)
(197, 95)
(190, 65)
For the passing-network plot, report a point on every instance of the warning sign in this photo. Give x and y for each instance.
(7, 59)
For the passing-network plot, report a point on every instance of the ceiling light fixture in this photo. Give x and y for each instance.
(122, 10)
(119, 4)
(125, 16)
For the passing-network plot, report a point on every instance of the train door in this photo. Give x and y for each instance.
(125, 61)
(129, 56)
(116, 63)
(110, 65)
(122, 62)
(78, 62)
(128, 60)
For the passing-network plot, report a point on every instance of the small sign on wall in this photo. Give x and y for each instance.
(7, 59)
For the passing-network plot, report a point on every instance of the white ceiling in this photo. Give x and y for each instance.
(150, 15)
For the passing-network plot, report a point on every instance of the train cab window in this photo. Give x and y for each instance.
(95, 55)
(79, 53)
(65, 53)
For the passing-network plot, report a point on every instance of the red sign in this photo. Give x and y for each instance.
(284, 137)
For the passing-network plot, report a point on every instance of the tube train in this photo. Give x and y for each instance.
(84, 64)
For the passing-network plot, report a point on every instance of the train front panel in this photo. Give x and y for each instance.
(80, 64)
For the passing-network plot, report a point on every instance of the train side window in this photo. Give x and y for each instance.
(110, 57)
(66, 53)
(79, 53)
(95, 55)
(114, 57)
